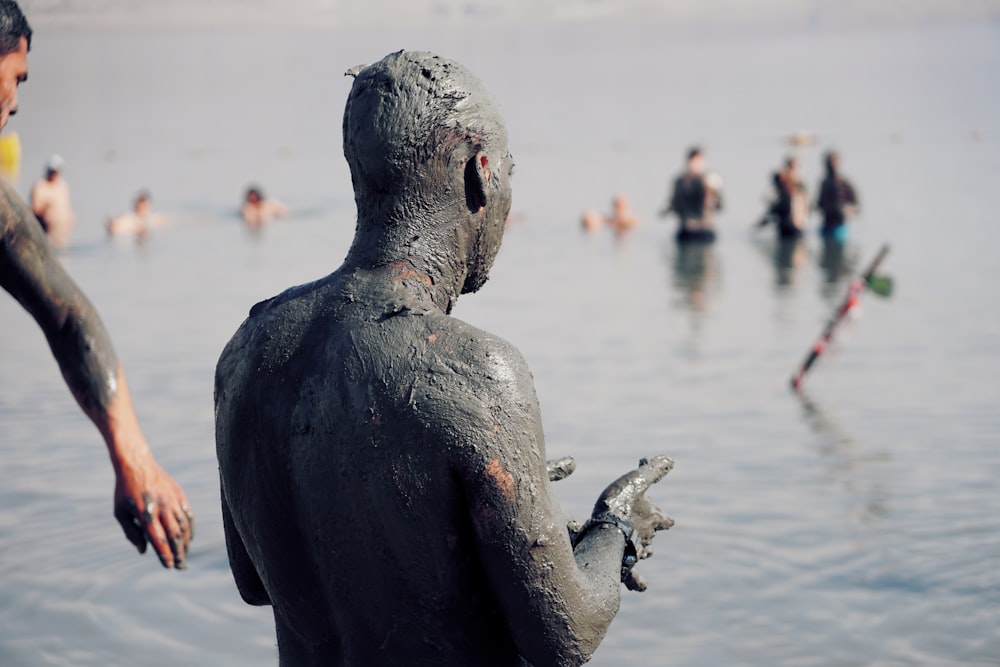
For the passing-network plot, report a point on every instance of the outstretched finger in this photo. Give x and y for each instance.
(621, 494)
(186, 511)
(156, 534)
(175, 526)
(656, 468)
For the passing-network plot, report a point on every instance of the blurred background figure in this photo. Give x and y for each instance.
(790, 207)
(139, 221)
(50, 203)
(622, 220)
(837, 200)
(257, 210)
(592, 220)
(695, 197)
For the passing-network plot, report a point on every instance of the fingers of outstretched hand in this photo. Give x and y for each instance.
(159, 535)
(167, 525)
(560, 468)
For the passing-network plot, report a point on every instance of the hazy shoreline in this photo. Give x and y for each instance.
(681, 15)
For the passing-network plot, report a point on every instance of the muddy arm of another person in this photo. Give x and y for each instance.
(559, 596)
(148, 504)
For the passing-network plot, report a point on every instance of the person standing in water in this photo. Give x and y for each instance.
(384, 482)
(789, 208)
(837, 200)
(695, 198)
(148, 503)
(51, 205)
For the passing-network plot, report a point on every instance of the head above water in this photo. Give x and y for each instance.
(427, 149)
(142, 202)
(254, 195)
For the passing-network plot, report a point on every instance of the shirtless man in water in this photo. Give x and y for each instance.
(149, 505)
(140, 221)
(258, 211)
(50, 203)
(384, 482)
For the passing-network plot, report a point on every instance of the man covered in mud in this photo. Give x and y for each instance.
(149, 505)
(384, 483)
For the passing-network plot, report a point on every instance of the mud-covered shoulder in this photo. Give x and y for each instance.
(493, 367)
(270, 331)
(477, 394)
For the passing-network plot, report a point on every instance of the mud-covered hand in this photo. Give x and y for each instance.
(560, 468)
(151, 507)
(626, 499)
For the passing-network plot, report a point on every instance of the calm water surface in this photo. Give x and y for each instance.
(857, 524)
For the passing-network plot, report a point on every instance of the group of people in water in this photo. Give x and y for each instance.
(51, 204)
(697, 195)
(837, 201)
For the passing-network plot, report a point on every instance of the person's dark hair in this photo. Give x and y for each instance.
(830, 160)
(693, 153)
(13, 26)
(143, 195)
(254, 190)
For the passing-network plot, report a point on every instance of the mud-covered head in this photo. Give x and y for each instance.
(428, 154)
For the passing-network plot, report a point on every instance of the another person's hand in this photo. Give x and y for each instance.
(151, 507)
(625, 498)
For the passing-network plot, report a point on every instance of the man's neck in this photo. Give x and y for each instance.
(420, 256)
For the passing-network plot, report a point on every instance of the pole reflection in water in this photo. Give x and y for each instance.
(848, 461)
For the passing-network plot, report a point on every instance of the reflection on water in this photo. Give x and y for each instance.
(694, 272)
(847, 459)
(788, 256)
(838, 262)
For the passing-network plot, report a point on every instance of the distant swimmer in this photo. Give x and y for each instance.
(139, 221)
(258, 211)
(837, 200)
(695, 198)
(50, 203)
(790, 207)
(622, 220)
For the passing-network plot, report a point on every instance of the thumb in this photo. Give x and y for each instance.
(128, 517)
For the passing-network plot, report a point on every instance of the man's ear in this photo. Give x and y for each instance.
(477, 175)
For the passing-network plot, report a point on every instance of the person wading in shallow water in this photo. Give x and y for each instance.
(149, 505)
(384, 482)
